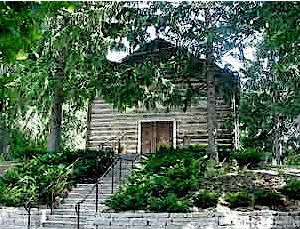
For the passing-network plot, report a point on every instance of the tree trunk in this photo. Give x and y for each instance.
(88, 123)
(236, 123)
(54, 140)
(277, 143)
(4, 69)
(211, 91)
(3, 135)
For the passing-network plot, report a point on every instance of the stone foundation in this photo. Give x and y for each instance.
(18, 218)
(202, 220)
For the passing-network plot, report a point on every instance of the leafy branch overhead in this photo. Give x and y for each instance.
(42, 41)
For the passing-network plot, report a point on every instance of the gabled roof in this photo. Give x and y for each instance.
(162, 50)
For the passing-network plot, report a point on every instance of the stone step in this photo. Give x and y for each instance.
(66, 217)
(124, 172)
(63, 224)
(18, 227)
(87, 201)
(89, 192)
(102, 186)
(101, 192)
(64, 227)
(71, 211)
(83, 226)
(83, 206)
(92, 195)
(104, 182)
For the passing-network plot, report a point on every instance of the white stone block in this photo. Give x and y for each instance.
(223, 220)
(103, 221)
(137, 222)
(120, 221)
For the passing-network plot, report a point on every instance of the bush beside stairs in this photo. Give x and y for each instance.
(65, 215)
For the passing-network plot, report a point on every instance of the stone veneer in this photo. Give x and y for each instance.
(18, 217)
(264, 219)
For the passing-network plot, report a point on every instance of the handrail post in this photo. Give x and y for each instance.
(119, 147)
(97, 195)
(97, 167)
(29, 215)
(77, 209)
(119, 152)
(27, 207)
(120, 172)
(52, 203)
(112, 178)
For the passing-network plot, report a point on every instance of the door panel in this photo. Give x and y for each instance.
(164, 132)
(146, 137)
(155, 134)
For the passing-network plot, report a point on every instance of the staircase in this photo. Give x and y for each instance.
(65, 215)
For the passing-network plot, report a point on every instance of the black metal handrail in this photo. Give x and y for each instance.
(131, 160)
(27, 206)
(53, 184)
(111, 139)
(77, 206)
(117, 158)
(96, 185)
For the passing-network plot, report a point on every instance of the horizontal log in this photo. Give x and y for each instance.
(108, 135)
(186, 129)
(96, 144)
(138, 117)
(99, 100)
(97, 110)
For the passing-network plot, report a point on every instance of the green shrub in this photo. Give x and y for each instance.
(198, 150)
(169, 204)
(291, 189)
(167, 157)
(248, 157)
(267, 197)
(49, 174)
(163, 181)
(30, 152)
(129, 197)
(292, 157)
(224, 152)
(22, 146)
(204, 199)
(239, 199)
(33, 181)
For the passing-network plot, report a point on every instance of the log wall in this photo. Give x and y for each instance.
(106, 122)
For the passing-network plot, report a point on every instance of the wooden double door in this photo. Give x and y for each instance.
(155, 134)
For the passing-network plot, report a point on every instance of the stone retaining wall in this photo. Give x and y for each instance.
(18, 218)
(204, 220)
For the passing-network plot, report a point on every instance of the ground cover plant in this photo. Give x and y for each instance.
(239, 199)
(249, 157)
(267, 197)
(42, 176)
(205, 199)
(182, 179)
(165, 181)
(291, 189)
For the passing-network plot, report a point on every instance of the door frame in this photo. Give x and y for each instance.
(154, 120)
